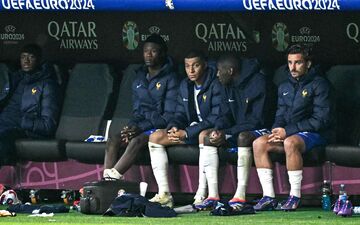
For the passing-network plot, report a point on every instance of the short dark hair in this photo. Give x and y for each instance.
(195, 54)
(229, 60)
(157, 39)
(33, 49)
(300, 49)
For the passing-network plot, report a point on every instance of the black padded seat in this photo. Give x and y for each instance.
(93, 153)
(343, 155)
(86, 98)
(280, 75)
(189, 155)
(314, 157)
(346, 81)
(40, 151)
(183, 154)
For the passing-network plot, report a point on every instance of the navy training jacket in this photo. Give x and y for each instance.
(305, 105)
(154, 100)
(243, 100)
(209, 100)
(39, 103)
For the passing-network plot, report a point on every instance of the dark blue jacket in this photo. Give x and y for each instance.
(39, 103)
(209, 100)
(243, 100)
(154, 100)
(305, 105)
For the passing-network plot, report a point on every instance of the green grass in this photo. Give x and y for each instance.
(306, 216)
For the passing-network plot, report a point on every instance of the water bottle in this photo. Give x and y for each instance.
(326, 191)
(342, 194)
(356, 210)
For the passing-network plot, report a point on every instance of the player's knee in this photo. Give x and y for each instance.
(259, 144)
(157, 136)
(245, 139)
(113, 142)
(292, 144)
(138, 140)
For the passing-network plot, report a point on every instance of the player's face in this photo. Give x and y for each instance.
(28, 61)
(195, 69)
(224, 73)
(152, 54)
(298, 66)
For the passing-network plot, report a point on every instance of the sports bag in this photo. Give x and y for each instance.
(98, 195)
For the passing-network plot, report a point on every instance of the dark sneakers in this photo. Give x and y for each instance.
(207, 204)
(266, 203)
(237, 203)
(291, 203)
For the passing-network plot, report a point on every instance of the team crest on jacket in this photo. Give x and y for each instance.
(304, 93)
(204, 98)
(158, 85)
(33, 91)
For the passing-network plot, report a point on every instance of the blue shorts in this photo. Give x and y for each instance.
(311, 140)
(232, 140)
(192, 141)
(148, 132)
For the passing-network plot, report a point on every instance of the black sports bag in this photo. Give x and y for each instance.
(98, 195)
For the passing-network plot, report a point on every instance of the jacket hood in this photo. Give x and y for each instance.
(247, 68)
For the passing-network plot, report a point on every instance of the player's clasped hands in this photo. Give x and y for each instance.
(277, 135)
(217, 137)
(128, 133)
(176, 135)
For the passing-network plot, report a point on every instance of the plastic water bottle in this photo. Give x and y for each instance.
(356, 210)
(326, 191)
(342, 193)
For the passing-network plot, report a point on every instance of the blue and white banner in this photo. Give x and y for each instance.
(181, 5)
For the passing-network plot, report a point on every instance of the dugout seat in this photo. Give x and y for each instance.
(346, 81)
(94, 153)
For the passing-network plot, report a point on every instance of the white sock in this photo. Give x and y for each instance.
(202, 188)
(266, 180)
(159, 164)
(295, 178)
(243, 169)
(211, 166)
